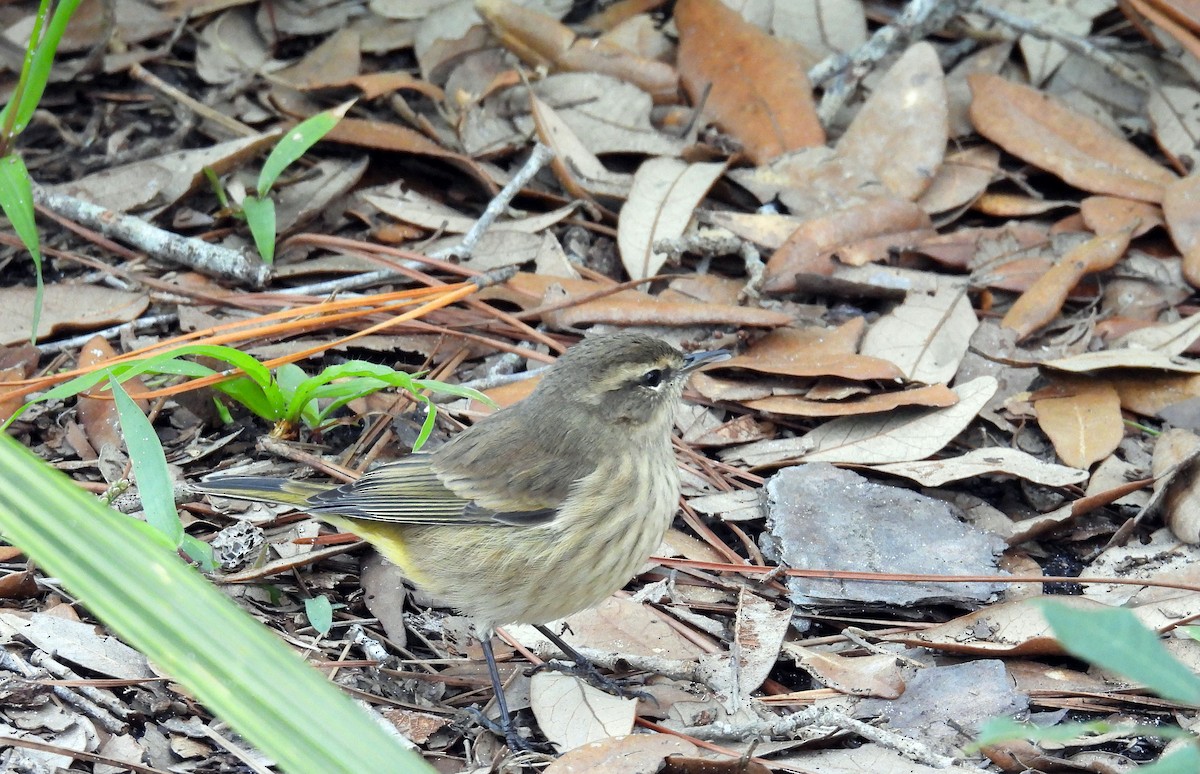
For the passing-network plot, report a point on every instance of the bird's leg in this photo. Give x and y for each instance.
(588, 671)
(507, 727)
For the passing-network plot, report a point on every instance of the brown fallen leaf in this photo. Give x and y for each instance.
(1009, 628)
(634, 754)
(900, 133)
(66, 307)
(1082, 418)
(794, 405)
(878, 675)
(810, 248)
(16, 363)
(582, 174)
(814, 351)
(1180, 204)
(1039, 129)
(1174, 465)
(661, 202)
(625, 307)
(1147, 394)
(1042, 302)
(751, 84)
(963, 176)
(1110, 214)
(542, 41)
(99, 415)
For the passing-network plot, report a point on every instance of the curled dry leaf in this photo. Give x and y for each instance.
(900, 133)
(626, 307)
(542, 41)
(1042, 131)
(1082, 418)
(577, 168)
(811, 247)
(16, 363)
(962, 178)
(899, 436)
(878, 675)
(1181, 203)
(1175, 465)
(1042, 302)
(664, 195)
(752, 84)
(1175, 115)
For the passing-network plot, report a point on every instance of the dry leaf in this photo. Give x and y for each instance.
(575, 166)
(1043, 301)
(900, 133)
(901, 436)
(877, 675)
(814, 351)
(572, 713)
(1109, 215)
(810, 248)
(794, 405)
(664, 195)
(542, 41)
(1180, 203)
(1040, 130)
(1009, 628)
(635, 754)
(1083, 420)
(1174, 465)
(981, 462)
(962, 178)
(927, 335)
(66, 307)
(750, 83)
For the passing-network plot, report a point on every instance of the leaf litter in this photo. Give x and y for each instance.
(977, 303)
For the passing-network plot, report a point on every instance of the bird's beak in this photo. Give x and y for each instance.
(700, 359)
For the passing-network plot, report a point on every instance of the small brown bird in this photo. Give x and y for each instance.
(537, 511)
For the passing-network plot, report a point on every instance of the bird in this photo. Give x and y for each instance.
(535, 512)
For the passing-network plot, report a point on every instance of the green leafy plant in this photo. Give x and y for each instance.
(258, 209)
(16, 187)
(1115, 640)
(286, 396)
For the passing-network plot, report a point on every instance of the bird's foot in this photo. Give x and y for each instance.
(587, 671)
(506, 728)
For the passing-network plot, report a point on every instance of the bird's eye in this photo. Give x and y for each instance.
(651, 378)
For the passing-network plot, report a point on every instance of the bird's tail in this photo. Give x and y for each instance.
(281, 491)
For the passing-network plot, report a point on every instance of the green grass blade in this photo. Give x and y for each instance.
(158, 604)
(16, 199)
(296, 143)
(260, 216)
(149, 466)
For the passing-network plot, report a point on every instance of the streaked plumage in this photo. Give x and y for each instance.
(536, 512)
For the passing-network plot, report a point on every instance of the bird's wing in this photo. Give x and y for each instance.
(409, 491)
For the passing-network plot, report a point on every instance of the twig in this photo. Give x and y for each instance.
(1073, 43)
(14, 663)
(213, 260)
(918, 18)
(790, 726)
(539, 158)
(199, 108)
(134, 326)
